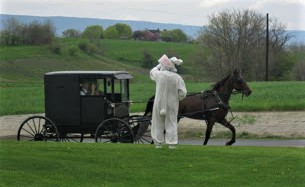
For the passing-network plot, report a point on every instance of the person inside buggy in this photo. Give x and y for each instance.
(89, 87)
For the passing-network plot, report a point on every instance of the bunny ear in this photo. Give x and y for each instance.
(176, 61)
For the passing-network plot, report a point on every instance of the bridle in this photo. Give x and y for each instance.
(240, 82)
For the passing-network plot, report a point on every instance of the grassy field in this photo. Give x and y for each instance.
(90, 164)
(20, 65)
(270, 96)
(266, 96)
(22, 69)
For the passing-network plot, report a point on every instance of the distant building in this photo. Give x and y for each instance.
(148, 35)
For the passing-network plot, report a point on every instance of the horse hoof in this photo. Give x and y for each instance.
(230, 143)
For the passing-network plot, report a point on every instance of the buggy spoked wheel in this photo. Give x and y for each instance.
(141, 128)
(71, 137)
(37, 128)
(114, 130)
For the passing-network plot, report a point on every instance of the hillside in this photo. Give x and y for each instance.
(39, 60)
(22, 69)
(29, 63)
(64, 23)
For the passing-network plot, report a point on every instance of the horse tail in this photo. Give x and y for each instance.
(149, 106)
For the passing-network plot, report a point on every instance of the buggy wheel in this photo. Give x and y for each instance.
(37, 128)
(114, 130)
(141, 128)
(71, 137)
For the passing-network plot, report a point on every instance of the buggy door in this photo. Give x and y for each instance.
(93, 105)
(62, 100)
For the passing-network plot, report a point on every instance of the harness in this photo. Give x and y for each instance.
(218, 100)
(219, 103)
(204, 95)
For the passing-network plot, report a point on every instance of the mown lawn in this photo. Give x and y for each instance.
(93, 164)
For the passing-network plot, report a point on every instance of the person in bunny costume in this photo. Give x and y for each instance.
(170, 89)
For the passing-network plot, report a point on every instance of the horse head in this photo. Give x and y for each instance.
(239, 84)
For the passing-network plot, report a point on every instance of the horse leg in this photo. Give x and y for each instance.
(232, 128)
(208, 132)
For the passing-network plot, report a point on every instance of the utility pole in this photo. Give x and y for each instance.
(267, 47)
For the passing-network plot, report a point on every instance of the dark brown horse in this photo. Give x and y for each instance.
(211, 105)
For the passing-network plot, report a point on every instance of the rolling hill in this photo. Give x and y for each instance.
(63, 23)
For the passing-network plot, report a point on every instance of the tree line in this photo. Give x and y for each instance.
(236, 38)
(16, 33)
(232, 39)
(124, 31)
(34, 33)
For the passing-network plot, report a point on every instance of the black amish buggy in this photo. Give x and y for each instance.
(86, 104)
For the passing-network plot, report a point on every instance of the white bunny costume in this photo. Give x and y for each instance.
(170, 89)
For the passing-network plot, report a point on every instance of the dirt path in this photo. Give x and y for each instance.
(263, 124)
(260, 124)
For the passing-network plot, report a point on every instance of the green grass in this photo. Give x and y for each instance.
(29, 63)
(32, 64)
(132, 51)
(22, 69)
(266, 96)
(21, 100)
(272, 96)
(92, 164)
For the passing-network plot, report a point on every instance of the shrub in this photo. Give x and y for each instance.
(147, 59)
(91, 48)
(55, 48)
(83, 46)
(72, 50)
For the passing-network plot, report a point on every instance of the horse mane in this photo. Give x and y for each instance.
(220, 83)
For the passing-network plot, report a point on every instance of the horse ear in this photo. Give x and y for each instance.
(236, 72)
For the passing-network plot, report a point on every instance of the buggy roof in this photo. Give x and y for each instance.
(110, 74)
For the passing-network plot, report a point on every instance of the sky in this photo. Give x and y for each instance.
(187, 12)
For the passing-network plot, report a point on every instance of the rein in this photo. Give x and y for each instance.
(152, 100)
(238, 92)
(204, 93)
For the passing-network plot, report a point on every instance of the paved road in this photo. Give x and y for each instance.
(247, 142)
(221, 142)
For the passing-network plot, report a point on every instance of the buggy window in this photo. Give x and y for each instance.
(124, 90)
(91, 87)
(121, 87)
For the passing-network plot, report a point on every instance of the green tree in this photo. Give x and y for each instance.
(93, 33)
(296, 59)
(236, 39)
(12, 32)
(16, 33)
(124, 30)
(178, 35)
(39, 33)
(111, 33)
(175, 35)
(166, 36)
(71, 33)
